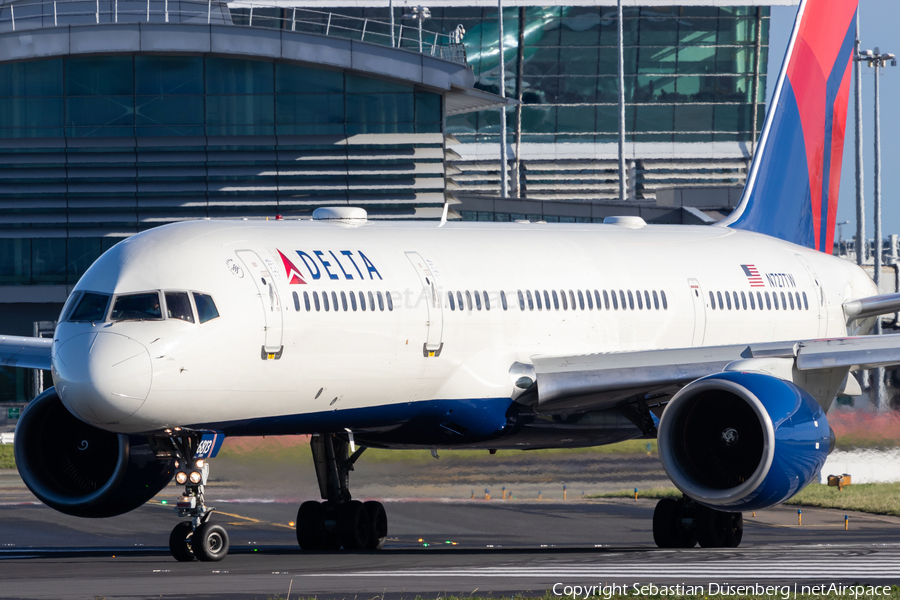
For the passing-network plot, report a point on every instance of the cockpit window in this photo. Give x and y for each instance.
(206, 308)
(70, 304)
(92, 307)
(179, 307)
(137, 307)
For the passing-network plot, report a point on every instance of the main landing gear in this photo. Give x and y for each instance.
(683, 523)
(198, 537)
(339, 521)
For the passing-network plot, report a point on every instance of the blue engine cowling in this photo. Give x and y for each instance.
(742, 441)
(81, 470)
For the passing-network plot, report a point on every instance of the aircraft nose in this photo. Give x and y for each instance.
(102, 377)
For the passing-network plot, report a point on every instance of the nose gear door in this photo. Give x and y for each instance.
(268, 296)
(434, 307)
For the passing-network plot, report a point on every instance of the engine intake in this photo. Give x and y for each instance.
(81, 470)
(743, 441)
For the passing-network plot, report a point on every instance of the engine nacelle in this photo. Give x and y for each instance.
(742, 441)
(81, 470)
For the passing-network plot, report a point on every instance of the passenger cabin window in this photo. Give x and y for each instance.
(451, 301)
(294, 294)
(206, 308)
(137, 307)
(664, 301)
(362, 301)
(503, 300)
(805, 302)
(390, 301)
(487, 300)
(306, 301)
(179, 307)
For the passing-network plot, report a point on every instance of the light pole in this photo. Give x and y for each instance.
(840, 227)
(878, 60)
(419, 13)
(503, 180)
(621, 104)
(860, 200)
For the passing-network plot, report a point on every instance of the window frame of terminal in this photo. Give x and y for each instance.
(77, 297)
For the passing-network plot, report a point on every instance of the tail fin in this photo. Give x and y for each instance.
(792, 190)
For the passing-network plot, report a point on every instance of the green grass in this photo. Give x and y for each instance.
(643, 592)
(876, 498)
(295, 448)
(650, 493)
(7, 460)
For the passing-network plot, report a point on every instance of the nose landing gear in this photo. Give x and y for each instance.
(340, 521)
(198, 537)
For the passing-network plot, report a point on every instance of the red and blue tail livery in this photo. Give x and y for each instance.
(792, 189)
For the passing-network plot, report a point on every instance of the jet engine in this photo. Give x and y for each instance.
(81, 470)
(743, 441)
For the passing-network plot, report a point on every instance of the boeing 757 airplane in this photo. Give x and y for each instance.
(728, 343)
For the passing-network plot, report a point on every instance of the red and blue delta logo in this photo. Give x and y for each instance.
(346, 265)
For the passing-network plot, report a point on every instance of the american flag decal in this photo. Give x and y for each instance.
(753, 276)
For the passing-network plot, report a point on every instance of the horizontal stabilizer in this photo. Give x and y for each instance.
(872, 306)
(25, 352)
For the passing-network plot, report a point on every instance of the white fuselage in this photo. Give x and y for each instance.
(264, 358)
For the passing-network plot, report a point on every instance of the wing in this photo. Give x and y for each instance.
(25, 352)
(600, 381)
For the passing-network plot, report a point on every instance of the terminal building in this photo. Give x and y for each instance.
(121, 115)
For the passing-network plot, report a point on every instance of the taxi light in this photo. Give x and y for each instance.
(200, 462)
(181, 477)
(196, 477)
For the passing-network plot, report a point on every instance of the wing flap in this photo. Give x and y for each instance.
(25, 352)
(601, 381)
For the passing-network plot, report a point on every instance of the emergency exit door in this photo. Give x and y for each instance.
(433, 304)
(699, 304)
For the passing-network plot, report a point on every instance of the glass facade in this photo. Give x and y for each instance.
(690, 72)
(49, 261)
(95, 148)
(154, 96)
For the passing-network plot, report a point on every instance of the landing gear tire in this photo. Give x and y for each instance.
(353, 525)
(180, 542)
(210, 542)
(734, 529)
(311, 526)
(669, 529)
(710, 525)
(378, 525)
